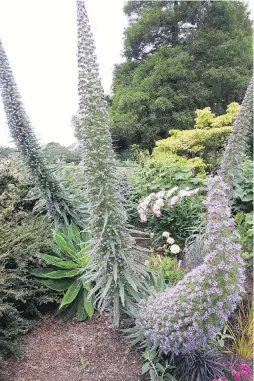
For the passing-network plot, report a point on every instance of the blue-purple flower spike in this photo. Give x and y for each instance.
(185, 317)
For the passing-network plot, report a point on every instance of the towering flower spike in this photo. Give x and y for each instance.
(236, 146)
(108, 222)
(59, 204)
(185, 317)
(96, 141)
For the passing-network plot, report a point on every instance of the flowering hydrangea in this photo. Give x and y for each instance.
(185, 317)
(155, 201)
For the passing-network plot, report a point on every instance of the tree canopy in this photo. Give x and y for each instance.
(180, 56)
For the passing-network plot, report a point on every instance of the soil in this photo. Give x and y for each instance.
(74, 351)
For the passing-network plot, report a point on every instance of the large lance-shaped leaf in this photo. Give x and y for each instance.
(51, 260)
(57, 285)
(71, 293)
(55, 274)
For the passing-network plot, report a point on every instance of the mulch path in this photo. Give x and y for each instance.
(73, 351)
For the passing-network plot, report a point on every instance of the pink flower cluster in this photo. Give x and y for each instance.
(156, 201)
(243, 373)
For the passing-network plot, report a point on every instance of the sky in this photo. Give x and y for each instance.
(39, 37)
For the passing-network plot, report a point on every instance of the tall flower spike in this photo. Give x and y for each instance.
(185, 317)
(117, 277)
(60, 205)
(236, 146)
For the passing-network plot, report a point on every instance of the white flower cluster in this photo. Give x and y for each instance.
(175, 249)
(156, 201)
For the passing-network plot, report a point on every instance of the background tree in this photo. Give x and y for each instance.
(6, 151)
(56, 152)
(180, 56)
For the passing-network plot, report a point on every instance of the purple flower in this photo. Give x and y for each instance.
(201, 298)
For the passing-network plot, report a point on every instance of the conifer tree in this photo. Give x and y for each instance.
(117, 275)
(60, 205)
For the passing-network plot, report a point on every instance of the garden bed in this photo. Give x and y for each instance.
(87, 351)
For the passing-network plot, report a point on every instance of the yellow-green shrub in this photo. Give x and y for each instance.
(209, 136)
(205, 118)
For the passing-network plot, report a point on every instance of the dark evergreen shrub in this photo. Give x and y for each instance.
(21, 295)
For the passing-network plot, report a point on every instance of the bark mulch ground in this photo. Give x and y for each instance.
(73, 351)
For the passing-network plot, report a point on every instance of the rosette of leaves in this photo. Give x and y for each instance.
(68, 262)
(118, 277)
(61, 206)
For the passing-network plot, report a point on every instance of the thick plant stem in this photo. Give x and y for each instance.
(58, 203)
(108, 220)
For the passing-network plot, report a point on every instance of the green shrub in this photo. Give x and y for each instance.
(245, 229)
(14, 188)
(67, 264)
(169, 268)
(168, 170)
(205, 141)
(243, 197)
(21, 295)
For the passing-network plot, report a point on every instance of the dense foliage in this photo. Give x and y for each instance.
(168, 170)
(55, 153)
(14, 187)
(6, 151)
(180, 56)
(21, 295)
(206, 140)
